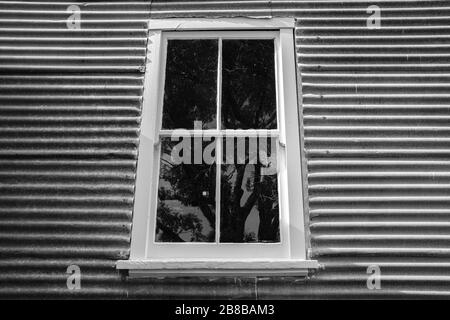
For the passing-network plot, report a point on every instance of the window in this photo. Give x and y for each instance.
(213, 186)
(219, 185)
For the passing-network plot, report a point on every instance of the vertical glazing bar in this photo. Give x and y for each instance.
(218, 140)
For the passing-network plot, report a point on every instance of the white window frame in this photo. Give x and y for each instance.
(289, 257)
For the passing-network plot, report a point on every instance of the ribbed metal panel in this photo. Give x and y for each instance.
(375, 113)
(70, 103)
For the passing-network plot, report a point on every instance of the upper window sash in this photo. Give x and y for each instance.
(220, 36)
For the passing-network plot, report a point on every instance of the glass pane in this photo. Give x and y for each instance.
(249, 210)
(191, 84)
(186, 193)
(248, 89)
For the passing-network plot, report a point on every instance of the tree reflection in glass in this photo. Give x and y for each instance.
(249, 210)
(190, 87)
(249, 205)
(186, 193)
(248, 89)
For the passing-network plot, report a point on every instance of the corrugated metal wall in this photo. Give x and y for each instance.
(376, 119)
(375, 109)
(70, 106)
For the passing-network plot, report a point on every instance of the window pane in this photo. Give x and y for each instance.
(186, 193)
(191, 84)
(248, 89)
(249, 191)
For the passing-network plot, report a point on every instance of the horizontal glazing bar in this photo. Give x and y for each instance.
(219, 133)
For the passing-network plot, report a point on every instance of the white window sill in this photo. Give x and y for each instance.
(220, 268)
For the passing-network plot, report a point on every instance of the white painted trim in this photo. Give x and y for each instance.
(222, 268)
(222, 24)
(218, 141)
(146, 155)
(289, 110)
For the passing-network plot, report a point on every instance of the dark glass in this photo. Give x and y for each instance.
(249, 210)
(248, 89)
(190, 89)
(186, 192)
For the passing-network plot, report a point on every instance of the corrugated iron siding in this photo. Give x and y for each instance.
(375, 116)
(69, 120)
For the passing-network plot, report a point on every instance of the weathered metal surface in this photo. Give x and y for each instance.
(375, 116)
(70, 103)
